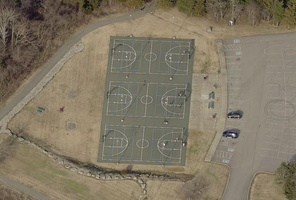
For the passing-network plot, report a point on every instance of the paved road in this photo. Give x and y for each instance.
(261, 82)
(47, 67)
(25, 189)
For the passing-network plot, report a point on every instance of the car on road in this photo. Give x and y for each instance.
(231, 134)
(235, 114)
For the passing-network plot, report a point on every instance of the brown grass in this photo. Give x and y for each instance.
(264, 187)
(42, 174)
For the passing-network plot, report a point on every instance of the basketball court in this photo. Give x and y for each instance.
(147, 101)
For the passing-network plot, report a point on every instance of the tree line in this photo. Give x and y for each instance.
(286, 177)
(31, 30)
(278, 12)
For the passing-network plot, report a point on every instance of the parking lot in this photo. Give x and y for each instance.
(261, 73)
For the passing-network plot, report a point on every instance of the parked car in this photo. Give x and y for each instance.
(231, 134)
(235, 114)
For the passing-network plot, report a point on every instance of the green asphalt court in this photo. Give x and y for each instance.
(147, 101)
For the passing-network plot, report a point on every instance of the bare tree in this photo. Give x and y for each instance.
(253, 11)
(195, 189)
(7, 15)
(218, 8)
(236, 9)
(266, 15)
(22, 37)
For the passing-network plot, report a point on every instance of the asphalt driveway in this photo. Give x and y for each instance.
(261, 73)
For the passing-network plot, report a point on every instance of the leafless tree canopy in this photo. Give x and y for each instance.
(195, 188)
(31, 30)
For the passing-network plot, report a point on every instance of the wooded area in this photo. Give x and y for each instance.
(31, 30)
(277, 12)
(286, 176)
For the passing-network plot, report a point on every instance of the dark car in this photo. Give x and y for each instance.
(235, 114)
(231, 134)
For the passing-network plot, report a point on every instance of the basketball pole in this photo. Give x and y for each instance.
(133, 100)
(185, 52)
(137, 128)
(128, 72)
(167, 157)
(168, 117)
(105, 135)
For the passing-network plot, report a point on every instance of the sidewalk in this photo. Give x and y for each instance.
(209, 103)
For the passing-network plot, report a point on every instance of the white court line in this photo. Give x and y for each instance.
(124, 138)
(166, 106)
(146, 105)
(180, 115)
(174, 129)
(143, 137)
(174, 141)
(103, 147)
(122, 57)
(112, 56)
(149, 66)
(178, 62)
(120, 82)
(108, 102)
(155, 116)
(129, 40)
(155, 40)
(136, 160)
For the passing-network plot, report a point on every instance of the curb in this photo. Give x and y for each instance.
(252, 181)
(222, 119)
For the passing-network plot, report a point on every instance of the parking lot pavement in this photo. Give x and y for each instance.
(261, 73)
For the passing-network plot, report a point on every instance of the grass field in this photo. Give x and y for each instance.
(40, 172)
(264, 187)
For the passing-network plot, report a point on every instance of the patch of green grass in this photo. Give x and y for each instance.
(40, 167)
(193, 150)
(204, 67)
(71, 186)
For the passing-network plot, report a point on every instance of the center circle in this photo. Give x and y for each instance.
(146, 99)
(150, 56)
(280, 108)
(142, 143)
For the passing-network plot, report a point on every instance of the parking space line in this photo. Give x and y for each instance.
(223, 154)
